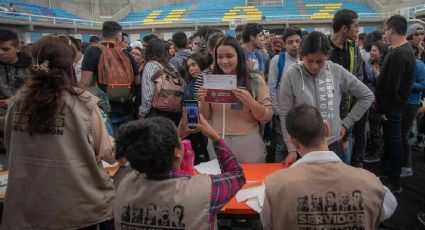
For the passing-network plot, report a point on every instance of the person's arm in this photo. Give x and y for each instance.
(419, 84)
(86, 77)
(227, 184)
(286, 100)
(204, 107)
(266, 215)
(103, 145)
(5, 102)
(388, 206)
(272, 83)
(89, 66)
(401, 84)
(359, 67)
(148, 88)
(8, 125)
(261, 107)
(349, 83)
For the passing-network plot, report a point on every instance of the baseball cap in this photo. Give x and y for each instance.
(415, 28)
(136, 44)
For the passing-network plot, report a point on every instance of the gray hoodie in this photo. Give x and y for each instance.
(179, 59)
(324, 92)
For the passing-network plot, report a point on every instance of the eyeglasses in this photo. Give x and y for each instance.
(266, 32)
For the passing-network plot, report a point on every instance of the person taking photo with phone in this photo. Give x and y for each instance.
(157, 184)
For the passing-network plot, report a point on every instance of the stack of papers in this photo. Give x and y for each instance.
(209, 168)
(254, 197)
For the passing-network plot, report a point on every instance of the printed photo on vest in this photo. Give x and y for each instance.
(152, 217)
(331, 211)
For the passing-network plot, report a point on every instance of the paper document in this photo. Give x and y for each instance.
(254, 197)
(107, 165)
(220, 88)
(245, 194)
(215, 81)
(209, 168)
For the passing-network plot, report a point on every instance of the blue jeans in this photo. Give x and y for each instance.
(281, 150)
(119, 119)
(393, 147)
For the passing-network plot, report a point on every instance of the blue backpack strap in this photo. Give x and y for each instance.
(281, 66)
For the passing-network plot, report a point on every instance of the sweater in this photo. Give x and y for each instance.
(238, 122)
(323, 91)
(418, 84)
(395, 82)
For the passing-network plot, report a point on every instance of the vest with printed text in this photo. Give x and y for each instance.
(56, 180)
(178, 203)
(324, 196)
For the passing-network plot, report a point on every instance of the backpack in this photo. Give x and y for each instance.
(281, 66)
(115, 72)
(169, 89)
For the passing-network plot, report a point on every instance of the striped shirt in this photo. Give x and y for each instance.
(224, 186)
(200, 80)
(148, 87)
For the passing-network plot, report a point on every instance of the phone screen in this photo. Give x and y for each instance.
(192, 113)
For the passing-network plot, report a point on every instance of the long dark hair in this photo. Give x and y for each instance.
(243, 75)
(383, 49)
(315, 42)
(200, 61)
(51, 76)
(156, 52)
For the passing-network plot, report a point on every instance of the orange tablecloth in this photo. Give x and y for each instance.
(253, 172)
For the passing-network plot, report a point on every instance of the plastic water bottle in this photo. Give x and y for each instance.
(188, 157)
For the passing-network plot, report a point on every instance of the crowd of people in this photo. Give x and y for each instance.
(321, 104)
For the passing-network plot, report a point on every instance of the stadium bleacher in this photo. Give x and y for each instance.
(207, 11)
(227, 10)
(23, 7)
(324, 9)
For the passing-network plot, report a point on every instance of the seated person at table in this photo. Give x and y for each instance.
(319, 190)
(159, 188)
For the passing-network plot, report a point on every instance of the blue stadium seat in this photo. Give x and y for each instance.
(23, 7)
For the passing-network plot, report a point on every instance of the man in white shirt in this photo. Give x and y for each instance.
(319, 179)
(278, 65)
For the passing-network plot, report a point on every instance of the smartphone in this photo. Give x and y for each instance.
(192, 113)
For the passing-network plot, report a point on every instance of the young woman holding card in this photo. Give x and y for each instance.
(239, 123)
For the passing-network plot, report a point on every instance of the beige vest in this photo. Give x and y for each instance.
(180, 203)
(326, 196)
(55, 180)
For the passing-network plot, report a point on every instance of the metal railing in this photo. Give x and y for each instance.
(31, 18)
